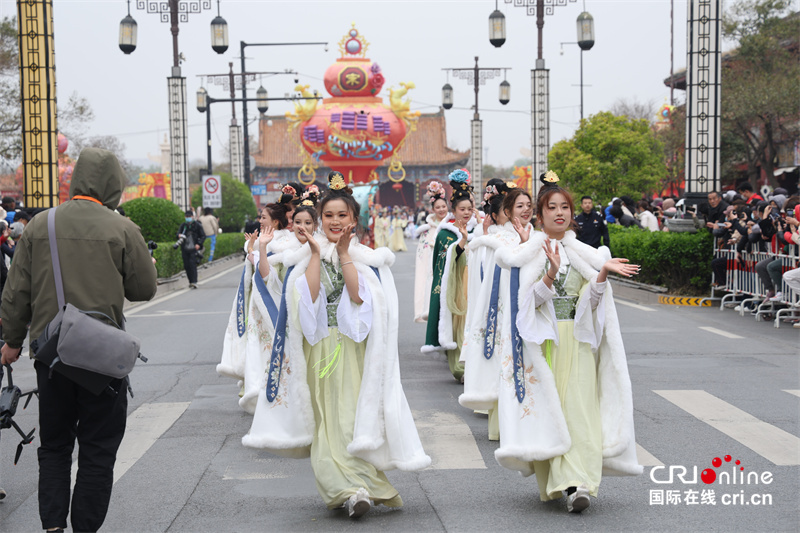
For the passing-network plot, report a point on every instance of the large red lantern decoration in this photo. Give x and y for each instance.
(353, 131)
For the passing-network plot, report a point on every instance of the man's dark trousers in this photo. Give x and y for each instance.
(190, 264)
(67, 411)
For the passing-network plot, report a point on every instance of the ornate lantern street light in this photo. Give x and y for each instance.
(262, 100)
(505, 92)
(219, 33)
(447, 96)
(127, 33)
(175, 11)
(497, 27)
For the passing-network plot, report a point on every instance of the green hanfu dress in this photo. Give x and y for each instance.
(334, 398)
(564, 396)
(448, 303)
(575, 372)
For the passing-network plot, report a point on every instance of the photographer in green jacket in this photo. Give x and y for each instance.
(104, 260)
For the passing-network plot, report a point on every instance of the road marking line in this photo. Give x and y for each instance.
(157, 301)
(645, 458)
(448, 440)
(170, 314)
(635, 306)
(795, 392)
(143, 428)
(720, 332)
(178, 292)
(770, 442)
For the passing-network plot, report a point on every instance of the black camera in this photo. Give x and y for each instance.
(10, 395)
(179, 242)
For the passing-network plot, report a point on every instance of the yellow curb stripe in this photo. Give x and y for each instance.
(680, 300)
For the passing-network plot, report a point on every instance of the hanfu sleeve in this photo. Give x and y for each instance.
(536, 319)
(590, 315)
(456, 288)
(313, 315)
(355, 320)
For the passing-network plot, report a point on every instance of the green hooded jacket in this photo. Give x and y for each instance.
(104, 258)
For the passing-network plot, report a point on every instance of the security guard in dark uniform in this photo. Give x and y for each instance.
(592, 225)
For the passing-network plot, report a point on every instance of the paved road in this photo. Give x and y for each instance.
(706, 384)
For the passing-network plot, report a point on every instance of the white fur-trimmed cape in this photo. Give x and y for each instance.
(384, 433)
(544, 435)
(481, 375)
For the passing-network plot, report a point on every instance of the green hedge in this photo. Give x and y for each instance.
(681, 262)
(169, 261)
(158, 218)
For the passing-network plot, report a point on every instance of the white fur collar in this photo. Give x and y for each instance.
(432, 222)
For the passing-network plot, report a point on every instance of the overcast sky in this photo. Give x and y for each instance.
(411, 40)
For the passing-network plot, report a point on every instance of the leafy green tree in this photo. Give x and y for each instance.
(237, 204)
(760, 89)
(610, 156)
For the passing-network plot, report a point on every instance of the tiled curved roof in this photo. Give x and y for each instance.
(426, 146)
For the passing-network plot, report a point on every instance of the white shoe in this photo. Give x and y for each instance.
(578, 500)
(738, 308)
(777, 298)
(358, 504)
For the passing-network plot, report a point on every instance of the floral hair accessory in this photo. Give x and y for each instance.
(311, 189)
(461, 176)
(511, 185)
(336, 181)
(288, 189)
(308, 203)
(435, 188)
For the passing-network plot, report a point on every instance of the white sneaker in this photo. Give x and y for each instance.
(578, 500)
(738, 308)
(777, 298)
(358, 504)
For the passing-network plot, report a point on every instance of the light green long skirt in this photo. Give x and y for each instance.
(334, 399)
(575, 372)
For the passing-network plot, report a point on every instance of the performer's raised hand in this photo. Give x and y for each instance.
(523, 231)
(312, 242)
(343, 244)
(265, 236)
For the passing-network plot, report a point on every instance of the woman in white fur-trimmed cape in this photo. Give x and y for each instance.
(565, 401)
(448, 303)
(234, 344)
(333, 389)
(510, 211)
(427, 238)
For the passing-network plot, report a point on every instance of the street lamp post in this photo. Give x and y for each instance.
(204, 106)
(540, 83)
(246, 140)
(233, 82)
(476, 76)
(174, 12)
(585, 42)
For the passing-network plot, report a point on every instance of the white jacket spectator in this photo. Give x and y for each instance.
(647, 219)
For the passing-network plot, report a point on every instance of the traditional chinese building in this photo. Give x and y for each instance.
(425, 156)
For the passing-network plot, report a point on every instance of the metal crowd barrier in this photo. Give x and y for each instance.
(744, 287)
